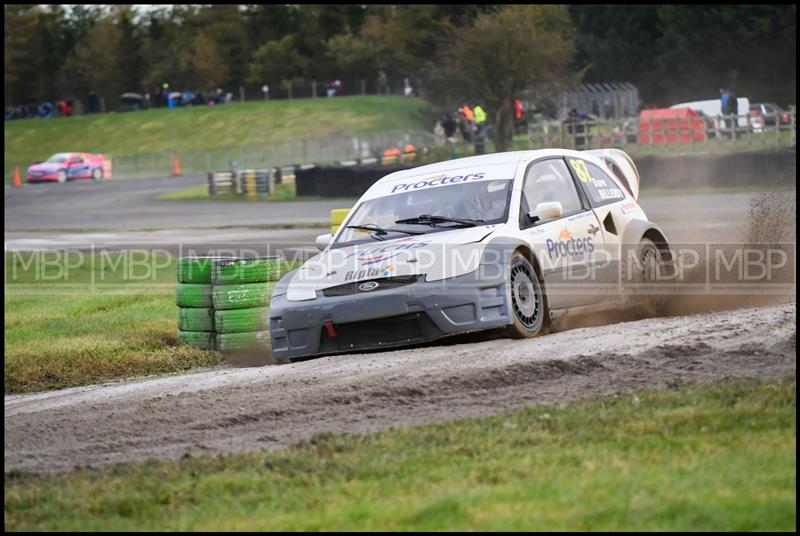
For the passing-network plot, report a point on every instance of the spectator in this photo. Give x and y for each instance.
(439, 133)
(65, 107)
(383, 83)
(480, 120)
(449, 125)
(265, 90)
(608, 111)
(595, 108)
(408, 91)
(92, 100)
(469, 122)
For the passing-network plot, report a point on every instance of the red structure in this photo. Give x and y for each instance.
(668, 125)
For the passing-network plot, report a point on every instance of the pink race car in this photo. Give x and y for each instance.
(64, 166)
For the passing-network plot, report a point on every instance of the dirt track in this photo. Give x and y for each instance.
(255, 408)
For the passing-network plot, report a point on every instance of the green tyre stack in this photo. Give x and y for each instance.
(251, 340)
(236, 271)
(242, 289)
(193, 295)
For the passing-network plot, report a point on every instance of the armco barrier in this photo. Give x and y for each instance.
(342, 181)
(222, 182)
(763, 168)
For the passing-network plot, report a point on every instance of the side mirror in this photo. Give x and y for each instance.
(546, 211)
(323, 240)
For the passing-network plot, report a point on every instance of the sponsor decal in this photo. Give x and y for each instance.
(383, 253)
(437, 180)
(568, 245)
(628, 207)
(378, 271)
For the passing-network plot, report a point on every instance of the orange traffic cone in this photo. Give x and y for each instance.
(176, 166)
(17, 182)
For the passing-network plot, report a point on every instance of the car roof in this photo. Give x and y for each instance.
(505, 159)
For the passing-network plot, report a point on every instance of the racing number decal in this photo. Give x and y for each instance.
(580, 169)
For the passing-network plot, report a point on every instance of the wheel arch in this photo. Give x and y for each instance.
(638, 229)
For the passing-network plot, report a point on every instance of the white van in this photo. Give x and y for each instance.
(713, 108)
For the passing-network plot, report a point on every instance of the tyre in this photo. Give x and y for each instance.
(199, 339)
(643, 269)
(528, 301)
(61, 176)
(244, 296)
(195, 319)
(191, 295)
(234, 271)
(97, 174)
(241, 320)
(195, 269)
(255, 340)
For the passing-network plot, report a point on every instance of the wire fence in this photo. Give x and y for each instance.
(670, 135)
(313, 151)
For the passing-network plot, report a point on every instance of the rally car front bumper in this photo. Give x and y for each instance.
(389, 316)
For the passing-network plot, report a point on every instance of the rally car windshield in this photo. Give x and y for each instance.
(428, 210)
(58, 158)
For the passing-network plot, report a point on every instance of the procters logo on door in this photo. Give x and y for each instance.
(437, 180)
(568, 245)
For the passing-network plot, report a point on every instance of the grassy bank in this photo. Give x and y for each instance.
(718, 457)
(75, 319)
(201, 127)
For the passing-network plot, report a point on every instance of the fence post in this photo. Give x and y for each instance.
(241, 94)
(314, 89)
(363, 87)
(290, 90)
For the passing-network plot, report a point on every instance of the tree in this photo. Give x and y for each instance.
(209, 70)
(517, 48)
(94, 64)
(278, 61)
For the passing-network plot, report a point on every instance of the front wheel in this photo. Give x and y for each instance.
(97, 174)
(528, 302)
(61, 176)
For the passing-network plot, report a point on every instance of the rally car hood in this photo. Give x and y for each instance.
(407, 256)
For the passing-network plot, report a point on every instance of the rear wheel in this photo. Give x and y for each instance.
(528, 303)
(61, 176)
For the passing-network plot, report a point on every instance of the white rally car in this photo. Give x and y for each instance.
(508, 240)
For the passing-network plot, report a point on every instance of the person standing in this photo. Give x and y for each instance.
(469, 118)
(480, 120)
(383, 83)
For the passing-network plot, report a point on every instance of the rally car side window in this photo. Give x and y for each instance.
(546, 181)
(598, 186)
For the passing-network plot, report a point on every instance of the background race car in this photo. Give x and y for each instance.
(65, 166)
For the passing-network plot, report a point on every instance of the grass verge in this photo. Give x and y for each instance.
(283, 192)
(75, 318)
(201, 127)
(718, 457)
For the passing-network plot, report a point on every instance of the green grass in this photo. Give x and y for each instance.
(283, 192)
(75, 319)
(719, 457)
(202, 127)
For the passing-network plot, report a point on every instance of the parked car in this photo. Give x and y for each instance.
(502, 241)
(66, 166)
(770, 113)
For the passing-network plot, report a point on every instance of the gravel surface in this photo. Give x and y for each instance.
(242, 409)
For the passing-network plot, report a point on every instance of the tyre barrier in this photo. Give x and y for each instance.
(193, 295)
(241, 320)
(242, 296)
(196, 319)
(224, 301)
(257, 270)
(256, 182)
(251, 340)
(199, 339)
(222, 182)
(196, 269)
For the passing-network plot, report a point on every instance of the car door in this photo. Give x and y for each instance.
(610, 204)
(566, 246)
